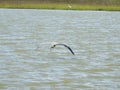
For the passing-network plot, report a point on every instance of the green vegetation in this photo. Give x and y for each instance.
(108, 5)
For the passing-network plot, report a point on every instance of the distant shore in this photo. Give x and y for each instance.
(60, 6)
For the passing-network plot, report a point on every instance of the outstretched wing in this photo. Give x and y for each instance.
(70, 49)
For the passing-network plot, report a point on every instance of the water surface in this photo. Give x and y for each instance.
(27, 63)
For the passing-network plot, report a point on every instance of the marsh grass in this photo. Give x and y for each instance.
(61, 6)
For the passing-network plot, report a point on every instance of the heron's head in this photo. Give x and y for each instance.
(53, 46)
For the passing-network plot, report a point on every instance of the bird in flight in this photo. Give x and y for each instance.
(54, 45)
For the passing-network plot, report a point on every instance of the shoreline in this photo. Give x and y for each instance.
(61, 6)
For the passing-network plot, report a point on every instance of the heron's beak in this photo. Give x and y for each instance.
(51, 47)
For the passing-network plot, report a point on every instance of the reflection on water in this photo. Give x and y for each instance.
(26, 61)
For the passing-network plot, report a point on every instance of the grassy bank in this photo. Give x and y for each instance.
(60, 6)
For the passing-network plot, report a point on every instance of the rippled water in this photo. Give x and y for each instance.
(27, 63)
